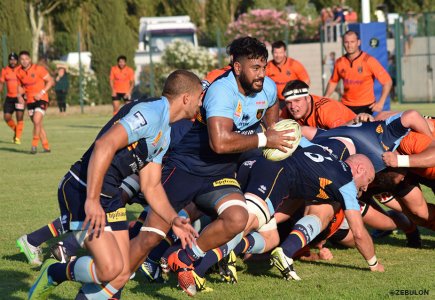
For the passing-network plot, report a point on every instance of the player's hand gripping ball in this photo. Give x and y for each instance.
(277, 155)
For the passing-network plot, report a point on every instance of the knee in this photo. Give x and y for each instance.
(109, 271)
(235, 219)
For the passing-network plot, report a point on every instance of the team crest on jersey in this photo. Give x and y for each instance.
(199, 118)
(342, 72)
(379, 129)
(32, 75)
(288, 73)
(260, 113)
(238, 112)
(157, 138)
(360, 70)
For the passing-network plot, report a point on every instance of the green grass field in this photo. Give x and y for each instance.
(28, 197)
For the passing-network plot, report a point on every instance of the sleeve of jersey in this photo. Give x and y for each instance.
(112, 75)
(302, 72)
(349, 193)
(159, 158)
(220, 101)
(43, 73)
(139, 123)
(333, 114)
(269, 88)
(379, 71)
(334, 77)
(2, 77)
(131, 75)
(414, 143)
(395, 123)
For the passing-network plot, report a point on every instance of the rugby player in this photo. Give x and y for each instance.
(36, 82)
(11, 104)
(133, 141)
(121, 82)
(201, 167)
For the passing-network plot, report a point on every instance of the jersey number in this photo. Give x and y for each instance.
(316, 157)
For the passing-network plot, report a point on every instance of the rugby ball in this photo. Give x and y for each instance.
(277, 155)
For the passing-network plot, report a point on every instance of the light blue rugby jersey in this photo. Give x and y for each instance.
(222, 99)
(149, 121)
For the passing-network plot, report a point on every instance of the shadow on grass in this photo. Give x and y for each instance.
(8, 149)
(153, 289)
(329, 264)
(13, 282)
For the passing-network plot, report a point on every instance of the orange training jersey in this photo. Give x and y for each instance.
(121, 79)
(358, 78)
(9, 76)
(415, 143)
(290, 70)
(327, 113)
(33, 82)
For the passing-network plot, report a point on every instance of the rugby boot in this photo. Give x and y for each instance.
(284, 264)
(184, 273)
(227, 268)
(43, 285)
(32, 253)
(152, 271)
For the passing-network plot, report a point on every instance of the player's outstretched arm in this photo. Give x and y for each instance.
(152, 188)
(363, 241)
(224, 140)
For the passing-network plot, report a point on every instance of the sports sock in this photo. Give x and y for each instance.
(158, 251)
(304, 231)
(171, 249)
(94, 291)
(45, 233)
(19, 129)
(45, 144)
(82, 270)
(35, 141)
(215, 255)
(190, 254)
(135, 229)
(71, 245)
(11, 124)
(252, 243)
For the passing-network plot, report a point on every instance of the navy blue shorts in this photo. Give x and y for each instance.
(206, 192)
(72, 197)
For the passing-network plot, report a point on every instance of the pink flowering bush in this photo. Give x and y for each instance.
(267, 25)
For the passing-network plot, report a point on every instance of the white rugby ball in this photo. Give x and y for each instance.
(277, 155)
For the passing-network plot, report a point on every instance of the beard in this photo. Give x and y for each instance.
(248, 86)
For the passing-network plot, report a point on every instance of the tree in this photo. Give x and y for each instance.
(108, 42)
(16, 30)
(37, 11)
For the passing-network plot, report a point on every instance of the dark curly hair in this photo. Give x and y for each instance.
(247, 47)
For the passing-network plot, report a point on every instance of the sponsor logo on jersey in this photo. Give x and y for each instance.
(379, 129)
(259, 113)
(117, 216)
(238, 111)
(360, 70)
(226, 181)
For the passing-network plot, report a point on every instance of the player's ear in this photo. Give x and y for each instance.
(186, 98)
(237, 68)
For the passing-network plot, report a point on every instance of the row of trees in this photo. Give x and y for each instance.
(110, 27)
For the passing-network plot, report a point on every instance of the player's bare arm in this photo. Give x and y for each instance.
(103, 153)
(425, 159)
(330, 88)
(363, 241)
(49, 82)
(152, 188)
(224, 140)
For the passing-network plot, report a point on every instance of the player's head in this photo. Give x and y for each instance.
(362, 170)
(297, 99)
(184, 87)
(351, 42)
(122, 61)
(279, 52)
(25, 60)
(249, 63)
(13, 59)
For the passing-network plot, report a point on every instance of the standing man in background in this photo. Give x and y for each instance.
(61, 88)
(358, 71)
(121, 82)
(11, 104)
(283, 69)
(36, 82)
